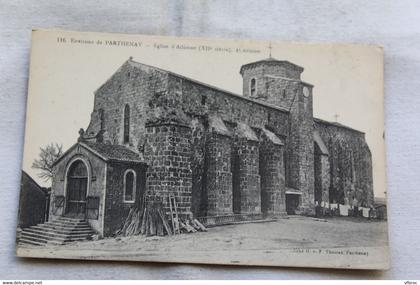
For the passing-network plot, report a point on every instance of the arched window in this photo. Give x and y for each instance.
(253, 87)
(78, 170)
(126, 124)
(129, 186)
(286, 170)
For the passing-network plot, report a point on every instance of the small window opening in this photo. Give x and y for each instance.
(253, 87)
(126, 124)
(101, 118)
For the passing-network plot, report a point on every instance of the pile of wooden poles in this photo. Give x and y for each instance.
(150, 219)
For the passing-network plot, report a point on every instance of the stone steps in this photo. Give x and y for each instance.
(55, 235)
(65, 227)
(60, 231)
(23, 240)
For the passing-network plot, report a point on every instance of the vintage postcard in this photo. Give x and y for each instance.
(168, 149)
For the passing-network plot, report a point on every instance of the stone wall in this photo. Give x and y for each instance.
(322, 176)
(195, 99)
(267, 74)
(198, 167)
(136, 85)
(218, 175)
(350, 163)
(116, 209)
(300, 148)
(257, 73)
(273, 200)
(168, 154)
(279, 84)
(200, 103)
(247, 185)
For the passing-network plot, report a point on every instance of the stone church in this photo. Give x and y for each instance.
(261, 153)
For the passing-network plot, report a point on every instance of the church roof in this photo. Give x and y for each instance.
(336, 124)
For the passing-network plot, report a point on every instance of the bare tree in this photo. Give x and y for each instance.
(47, 156)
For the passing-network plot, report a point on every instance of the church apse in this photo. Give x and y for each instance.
(350, 164)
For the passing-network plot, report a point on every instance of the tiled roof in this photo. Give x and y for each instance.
(290, 190)
(322, 147)
(217, 125)
(336, 124)
(38, 187)
(245, 131)
(112, 152)
(272, 137)
(271, 60)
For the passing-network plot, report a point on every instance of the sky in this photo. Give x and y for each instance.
(67, 67)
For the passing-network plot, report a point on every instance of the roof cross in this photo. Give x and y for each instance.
(270, 47)
(336, 117)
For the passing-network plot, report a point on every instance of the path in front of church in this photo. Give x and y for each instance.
(223, 242)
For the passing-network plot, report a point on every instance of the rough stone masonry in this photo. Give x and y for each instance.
(220, 153)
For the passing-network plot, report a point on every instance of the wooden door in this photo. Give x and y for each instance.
(292, 203)
(77, 182)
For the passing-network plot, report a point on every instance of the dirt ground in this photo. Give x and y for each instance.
(258, 240)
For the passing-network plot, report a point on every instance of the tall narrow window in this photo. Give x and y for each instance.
(126, 124)
(253, 87)
(129, 186)
(101, 118)
(353, 170)
(286, 169)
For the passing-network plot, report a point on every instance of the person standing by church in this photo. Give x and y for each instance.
(355, 205)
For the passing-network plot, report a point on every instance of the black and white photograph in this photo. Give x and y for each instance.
(194, 150)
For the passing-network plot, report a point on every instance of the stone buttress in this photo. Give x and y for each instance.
(273, 200)
(246, 183)
(168, 152)
(218, 165)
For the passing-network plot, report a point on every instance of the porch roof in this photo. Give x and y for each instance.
(112, 152)
(107, 152)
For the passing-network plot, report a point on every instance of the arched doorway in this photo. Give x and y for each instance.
(77, 182)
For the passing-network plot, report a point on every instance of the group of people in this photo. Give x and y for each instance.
(353, 209)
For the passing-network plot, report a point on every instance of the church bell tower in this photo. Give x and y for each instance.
(271, 80)
(278, 82)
